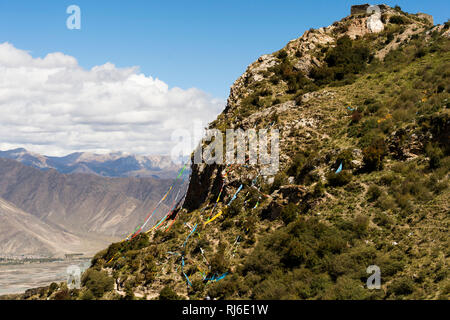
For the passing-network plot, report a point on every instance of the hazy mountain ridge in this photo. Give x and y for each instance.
(116, 164)
(81, 203)
(23, 234)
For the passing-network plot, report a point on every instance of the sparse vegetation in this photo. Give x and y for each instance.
(311, 232)
(98, 282)
(342, 62)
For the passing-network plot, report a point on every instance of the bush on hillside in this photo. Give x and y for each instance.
(345, 59)
(289, 213)
(218, 263)
(282, 54)
(87, 295)
(302, 165)
(401, 287)
(345, 157)
(373, 155)
(339, 179)
(167, 293)
(435, 154)
(279, 180)
(373, 193)
(398, 20)
(360, 225)
(98, 282)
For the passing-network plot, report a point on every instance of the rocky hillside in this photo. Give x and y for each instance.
(363, 114)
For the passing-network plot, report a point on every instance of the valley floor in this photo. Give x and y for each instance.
(16, 279)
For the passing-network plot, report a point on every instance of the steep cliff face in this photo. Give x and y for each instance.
(202, 184)
(363, 178)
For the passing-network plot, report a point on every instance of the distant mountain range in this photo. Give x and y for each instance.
(22, 233)
(117, 164)
(46, 212)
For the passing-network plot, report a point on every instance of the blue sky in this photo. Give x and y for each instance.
(205, 44)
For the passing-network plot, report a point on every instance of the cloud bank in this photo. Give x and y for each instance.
(53, 106)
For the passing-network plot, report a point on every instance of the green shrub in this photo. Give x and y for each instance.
(345, 157)
(319, 189)
(261, 261)
(322, 75)
(265, 92)
(401, 287)
(398, 20)
(439, 127)
(303, 163)
(276, 101)
(403, 201)
(223, 288)
(167, 293)
(227, 224)
(435, 154)
(420, 52)
(372, 105)
(388, 178)
(374, 154)
(435, 185)
(382, 219)
(87, 295)
(218, 263)
(282, 54)
(368, 131)
(279, 180)
(373, 193)
(98, 282)
(389, 38)
(385, 202)
(235, 207)
(274, 80)
(198, 286)
(339, 179)
(129, 292)
(253, 197)
(360, 225)
(346, 288)
(345, 59)
(298, 162)
(289, 213)
(391, 264)
(294, 254)
(298, 99)
(294, 79)
(53, 287)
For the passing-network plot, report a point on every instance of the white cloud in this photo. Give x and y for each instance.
(53, 106)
